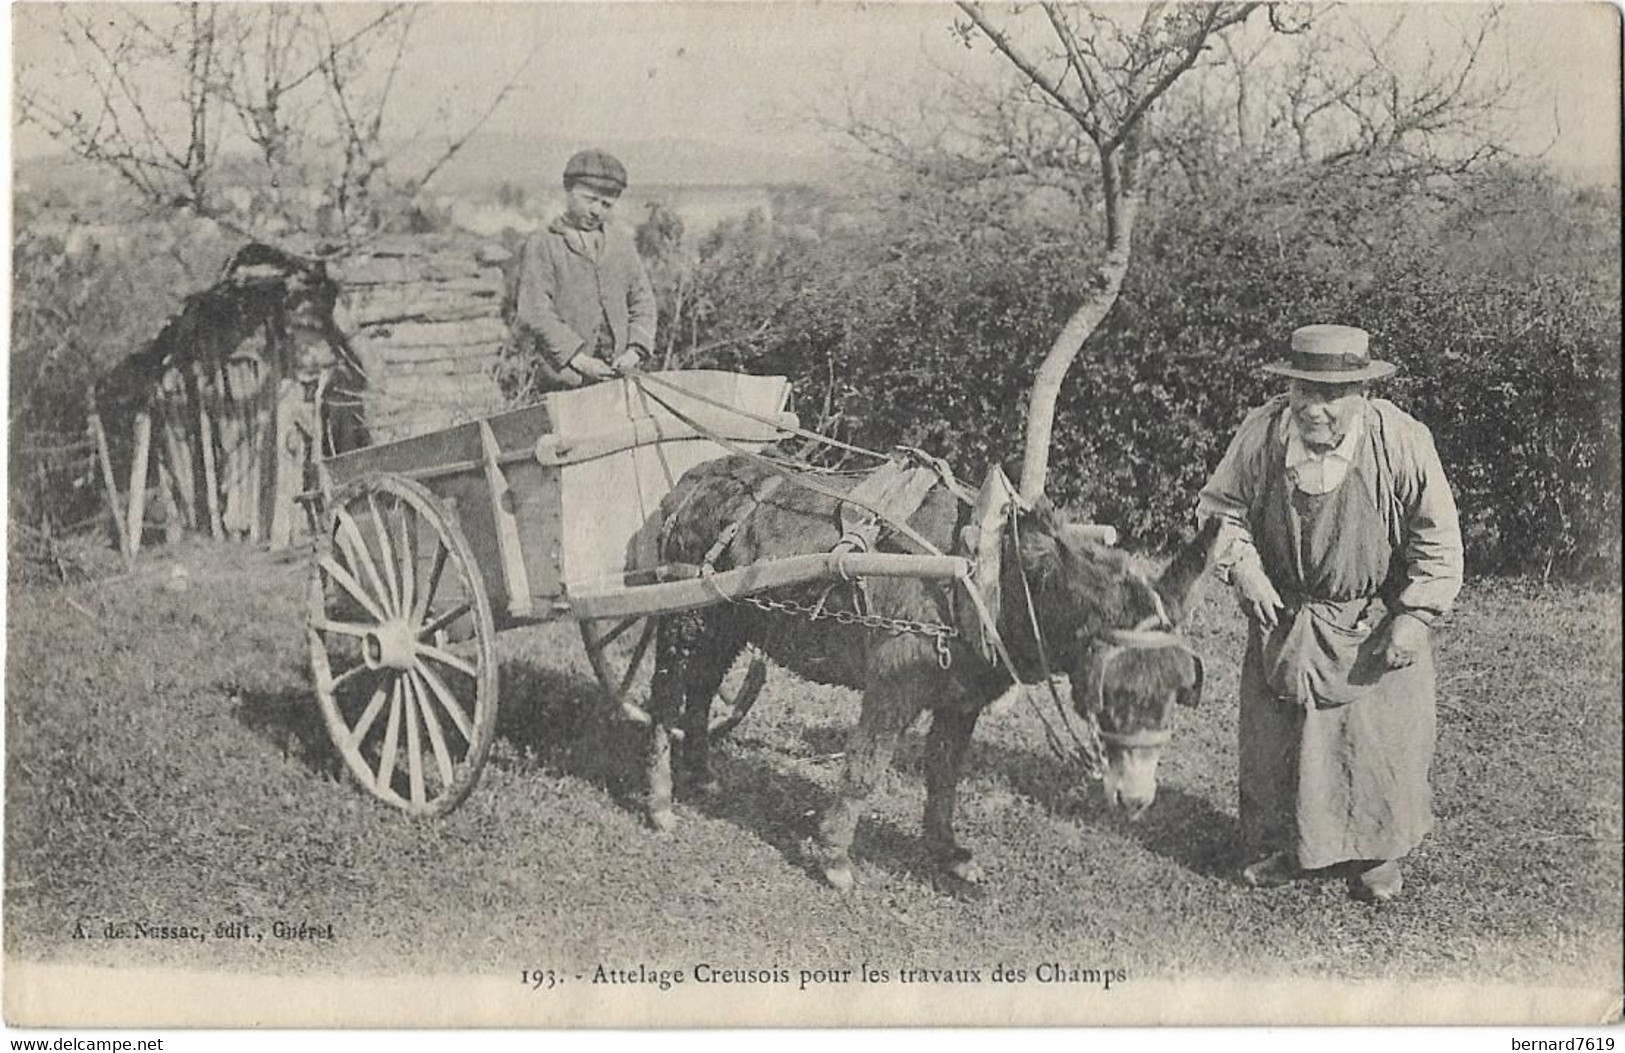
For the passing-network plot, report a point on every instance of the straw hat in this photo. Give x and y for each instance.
(1331, 354)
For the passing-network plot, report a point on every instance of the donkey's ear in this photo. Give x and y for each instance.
(1180, 583)
(1045, 516)
(1040, 553)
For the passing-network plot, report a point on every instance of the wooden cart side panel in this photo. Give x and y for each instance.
(466, 498)
(609, 503)
(516, 431)
(538, 507)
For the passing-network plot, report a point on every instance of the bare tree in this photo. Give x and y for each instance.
(272, 119)
(1105, 73)
(1294, 106)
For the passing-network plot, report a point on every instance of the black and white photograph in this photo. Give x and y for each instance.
(703, 514)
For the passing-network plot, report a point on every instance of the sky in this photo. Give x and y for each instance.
(757, 74)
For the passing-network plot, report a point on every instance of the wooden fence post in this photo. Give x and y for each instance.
(109, 480)
(211, 481)
(138, 480)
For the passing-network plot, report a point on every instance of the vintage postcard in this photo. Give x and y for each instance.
(623, 515)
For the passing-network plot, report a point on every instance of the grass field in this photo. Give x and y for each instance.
(165, 762)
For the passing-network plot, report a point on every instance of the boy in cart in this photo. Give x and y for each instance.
(578, 303)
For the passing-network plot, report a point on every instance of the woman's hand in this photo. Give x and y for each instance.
(1259, 600)
(1407, 635)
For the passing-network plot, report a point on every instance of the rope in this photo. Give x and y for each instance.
(1089, 761)
(902, 528)
(1090, 753)
(640, 379)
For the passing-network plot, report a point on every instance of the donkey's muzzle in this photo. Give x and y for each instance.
(1130, 781)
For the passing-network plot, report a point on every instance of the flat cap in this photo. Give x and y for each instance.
(597, 168)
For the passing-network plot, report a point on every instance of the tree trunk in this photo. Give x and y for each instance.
(1122, 205)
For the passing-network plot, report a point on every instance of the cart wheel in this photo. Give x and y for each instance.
(622, 656)
(402, 645)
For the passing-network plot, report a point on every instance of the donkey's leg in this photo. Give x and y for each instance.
(676, 636)
(708, 665)
(945, 746)
(889, 707)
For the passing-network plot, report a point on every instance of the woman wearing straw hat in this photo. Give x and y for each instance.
(1341, 540)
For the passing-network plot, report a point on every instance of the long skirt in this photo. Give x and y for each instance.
(1339, 783)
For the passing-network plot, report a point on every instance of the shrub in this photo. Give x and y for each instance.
(905, 327)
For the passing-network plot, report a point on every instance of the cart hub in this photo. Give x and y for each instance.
(389, 646)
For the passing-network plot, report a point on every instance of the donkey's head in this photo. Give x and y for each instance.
(1114, 631)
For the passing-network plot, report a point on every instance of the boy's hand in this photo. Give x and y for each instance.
(592, 368)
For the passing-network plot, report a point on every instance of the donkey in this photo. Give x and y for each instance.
(1100, 621)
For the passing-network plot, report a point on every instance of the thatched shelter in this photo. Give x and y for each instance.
(284, 357)
(233, 389)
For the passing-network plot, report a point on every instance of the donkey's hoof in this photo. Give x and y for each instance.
(966, 870)
(662, 820)
(839, 876)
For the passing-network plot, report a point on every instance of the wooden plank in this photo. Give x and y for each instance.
(270, 436)
(109, 483)
(407, 357)
(177, 444)
(211, 480)
(458, 364)
(142, 444)
(488, 331)
(506, 524)
(287, 473)
(593, 600)
(232, 464)
(174, 529)
(432, 266)
(428, 301)
(436, 389)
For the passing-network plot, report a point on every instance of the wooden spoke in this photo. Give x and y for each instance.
(437, 740)
(374, 706)
(414, 744)
(392, 733)
(353, 587)
(408, 527)
(636, 661)
(356, 629)
(447, 700)
(386, 554)
(601, 642)
(426, 597)
(346, 676)
(356, 549)
(443, 620)
(445, 657)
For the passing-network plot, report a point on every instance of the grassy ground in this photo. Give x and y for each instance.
(165, 761)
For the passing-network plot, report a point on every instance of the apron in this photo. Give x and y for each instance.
(1335, 747)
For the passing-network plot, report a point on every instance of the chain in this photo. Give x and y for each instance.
(898, 626)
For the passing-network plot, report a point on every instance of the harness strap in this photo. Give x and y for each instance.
(725, 537)
(1088, 758)
(766, 462)
(892, 491)
(1089, 752)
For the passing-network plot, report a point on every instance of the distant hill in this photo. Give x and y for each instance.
(488, 159)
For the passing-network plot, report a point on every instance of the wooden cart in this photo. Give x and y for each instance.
(428, 546)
